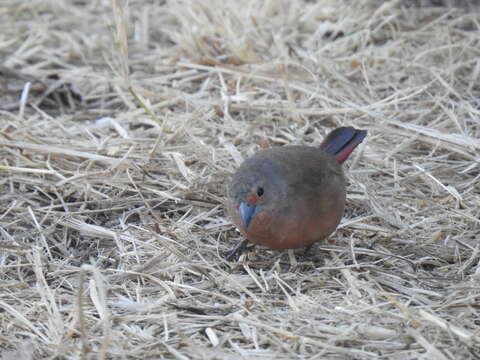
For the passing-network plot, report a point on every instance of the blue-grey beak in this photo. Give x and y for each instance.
(246, 212)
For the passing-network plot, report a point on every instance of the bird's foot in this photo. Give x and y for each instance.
(307, 250)
(235, 253)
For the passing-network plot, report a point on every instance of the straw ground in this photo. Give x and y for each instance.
(121, 124)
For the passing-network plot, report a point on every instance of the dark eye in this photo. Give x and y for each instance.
(260, 191)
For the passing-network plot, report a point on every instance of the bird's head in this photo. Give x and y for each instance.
(258, 188)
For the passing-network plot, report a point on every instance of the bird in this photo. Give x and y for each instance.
(291, 196)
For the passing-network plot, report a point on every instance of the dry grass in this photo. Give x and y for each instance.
(115, 160)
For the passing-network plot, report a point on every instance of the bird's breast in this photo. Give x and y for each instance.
(300, 225)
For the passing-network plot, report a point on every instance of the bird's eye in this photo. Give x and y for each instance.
(260, 191)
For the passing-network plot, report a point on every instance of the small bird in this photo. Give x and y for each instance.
(292, 196)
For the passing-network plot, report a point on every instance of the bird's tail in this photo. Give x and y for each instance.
(341, 142)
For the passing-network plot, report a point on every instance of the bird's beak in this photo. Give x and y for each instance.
(246, 212)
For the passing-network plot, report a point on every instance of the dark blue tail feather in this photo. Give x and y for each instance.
(341, 142)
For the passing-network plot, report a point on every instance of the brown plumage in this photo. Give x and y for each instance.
(292, 196)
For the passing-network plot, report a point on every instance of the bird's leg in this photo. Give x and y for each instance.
(307, 249)
(236, 251)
